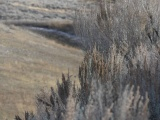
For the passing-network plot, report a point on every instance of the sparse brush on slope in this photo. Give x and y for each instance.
(119, 79)
(105, 92)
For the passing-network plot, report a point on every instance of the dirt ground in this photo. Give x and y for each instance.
(29, 61)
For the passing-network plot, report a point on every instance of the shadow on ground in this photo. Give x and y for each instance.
(59, 31)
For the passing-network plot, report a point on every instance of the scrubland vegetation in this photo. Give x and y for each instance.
(120, 75)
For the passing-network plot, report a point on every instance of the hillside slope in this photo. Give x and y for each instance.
(29, 62)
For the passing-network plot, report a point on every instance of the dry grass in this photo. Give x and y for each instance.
(64, 11)
(29, 62)
(106, 78)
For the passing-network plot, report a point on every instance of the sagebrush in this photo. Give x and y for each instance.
(120, 74)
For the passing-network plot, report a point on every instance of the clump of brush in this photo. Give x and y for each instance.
(120, 74)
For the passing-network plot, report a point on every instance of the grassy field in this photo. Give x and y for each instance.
(28, 63)
(33, 60)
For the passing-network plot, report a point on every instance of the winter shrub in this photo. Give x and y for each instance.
(120, 74)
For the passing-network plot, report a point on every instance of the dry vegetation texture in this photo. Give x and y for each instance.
(119, 77)
(111, 95)
(120, 74)
(29, 62)
(124, 22)
(39, 10)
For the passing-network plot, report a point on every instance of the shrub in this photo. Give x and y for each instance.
(120, 22)
(129, 29)
(120, 74)
(103, 93)
(140, 69)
